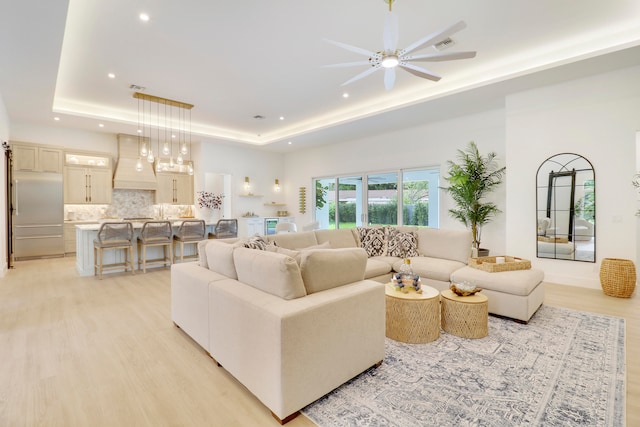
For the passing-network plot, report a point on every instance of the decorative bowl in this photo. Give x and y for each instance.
(464, 289)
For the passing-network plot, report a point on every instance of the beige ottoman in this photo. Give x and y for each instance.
(466, 317)
(514, 294)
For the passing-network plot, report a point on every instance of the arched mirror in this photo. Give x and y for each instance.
(566, 208)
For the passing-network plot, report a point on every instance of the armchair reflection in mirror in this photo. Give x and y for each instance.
(566, 208)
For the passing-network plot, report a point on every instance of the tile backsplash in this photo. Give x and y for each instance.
(125, 204)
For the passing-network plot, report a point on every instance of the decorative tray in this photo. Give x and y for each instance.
(488, 263)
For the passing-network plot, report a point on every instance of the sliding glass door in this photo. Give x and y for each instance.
(404, 197)
(382, 199)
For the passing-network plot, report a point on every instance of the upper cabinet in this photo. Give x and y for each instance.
(36, 158)
(87, 178)
(175, 185)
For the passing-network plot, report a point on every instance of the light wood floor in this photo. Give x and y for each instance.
(83, 352)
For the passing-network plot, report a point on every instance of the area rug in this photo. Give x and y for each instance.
(565, 368)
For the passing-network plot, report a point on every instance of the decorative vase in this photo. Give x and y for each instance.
(618, 277)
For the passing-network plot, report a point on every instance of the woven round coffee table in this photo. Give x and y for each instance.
(412, 317)
(466, 317)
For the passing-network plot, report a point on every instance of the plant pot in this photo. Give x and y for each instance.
(483, 252)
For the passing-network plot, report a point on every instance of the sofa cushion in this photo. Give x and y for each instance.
(288, 252)
(447, 244)
(274, 273)
(339, 238)
(376, 268)
(202, 254)
(401, 243)
(372, 240)
(294, 240)
(432, 268)
(325, 245)
(219, 257)
(329, 268)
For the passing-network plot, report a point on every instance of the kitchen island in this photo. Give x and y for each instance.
(86, 233)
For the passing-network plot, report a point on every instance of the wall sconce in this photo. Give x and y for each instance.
(247, 184)
(276, 186)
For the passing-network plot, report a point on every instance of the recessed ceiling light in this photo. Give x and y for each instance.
(57, 119)
(290, 143)
(101, 125)
(144, 17)
(139, 130)
(111, 76)
(281, 117)
(345, 95)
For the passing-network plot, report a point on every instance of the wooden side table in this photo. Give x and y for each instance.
(411, 317)
(466, 317)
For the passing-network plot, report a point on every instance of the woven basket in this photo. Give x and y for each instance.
(488, 263)
(618, 277)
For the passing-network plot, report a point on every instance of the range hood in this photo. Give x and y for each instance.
(126, 176)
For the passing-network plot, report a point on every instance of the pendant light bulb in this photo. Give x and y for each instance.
(165, 149)
(150, 157)
(139, 165)
(143, 150)
(179, 159)
(183, 149)
(190, 169)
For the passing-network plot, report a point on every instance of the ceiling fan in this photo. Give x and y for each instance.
(391, 57)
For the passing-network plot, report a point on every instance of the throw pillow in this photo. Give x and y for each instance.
(256, 242)
(372, 240)
(402, 244)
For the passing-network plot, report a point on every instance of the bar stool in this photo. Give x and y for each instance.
(113, 236)
(155, 233)
(224, 229)
(191, 231)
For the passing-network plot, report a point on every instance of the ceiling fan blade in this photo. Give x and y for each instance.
(434, 37)
(390, 34)
(352, 48)
(389, 78)
(361, 75)
(420, 72)
(433, 57)
(348, 64)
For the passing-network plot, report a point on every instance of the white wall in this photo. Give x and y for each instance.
(4, 137)
(238, 161)
(427, 145)
(597, 118)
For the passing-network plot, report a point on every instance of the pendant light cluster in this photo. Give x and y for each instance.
(164, 131)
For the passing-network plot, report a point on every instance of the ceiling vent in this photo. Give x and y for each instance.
(444, 44)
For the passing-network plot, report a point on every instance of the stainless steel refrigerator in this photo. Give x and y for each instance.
(37, 215)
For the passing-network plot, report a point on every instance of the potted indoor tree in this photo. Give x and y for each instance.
(470, 180)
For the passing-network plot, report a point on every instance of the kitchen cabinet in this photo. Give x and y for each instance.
(249, 226)
(36, 158)
(87, 178)
(70, 235)
(87, 185)
(174, 188)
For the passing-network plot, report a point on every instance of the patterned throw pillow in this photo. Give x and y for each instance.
(256, 242)
(372, 240)
(402, 244)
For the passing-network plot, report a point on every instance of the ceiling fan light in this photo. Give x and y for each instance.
(389, 61)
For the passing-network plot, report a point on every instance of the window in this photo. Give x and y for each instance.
(403, 197)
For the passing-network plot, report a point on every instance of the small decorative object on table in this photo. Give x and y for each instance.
(405, 284)
(464, 289)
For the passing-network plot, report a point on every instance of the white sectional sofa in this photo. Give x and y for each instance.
(298, 319)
